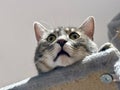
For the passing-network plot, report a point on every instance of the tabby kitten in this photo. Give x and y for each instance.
(63, 46)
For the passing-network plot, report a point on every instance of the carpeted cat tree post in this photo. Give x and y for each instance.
(99, 71)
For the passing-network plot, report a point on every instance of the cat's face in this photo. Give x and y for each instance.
(63, 46)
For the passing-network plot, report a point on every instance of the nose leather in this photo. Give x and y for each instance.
(61, 42)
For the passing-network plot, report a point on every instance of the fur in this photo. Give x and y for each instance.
(63, 46)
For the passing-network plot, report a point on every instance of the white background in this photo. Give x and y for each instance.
(17, 39)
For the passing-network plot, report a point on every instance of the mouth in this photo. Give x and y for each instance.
(62, 52)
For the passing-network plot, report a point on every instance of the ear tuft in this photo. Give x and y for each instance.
(88, 27)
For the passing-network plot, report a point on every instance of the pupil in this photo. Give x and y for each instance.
(51, 38)
(75, 36)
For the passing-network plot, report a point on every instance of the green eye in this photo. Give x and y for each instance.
(74, 35)
(51, 38)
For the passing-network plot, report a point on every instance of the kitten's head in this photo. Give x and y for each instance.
(63, 46)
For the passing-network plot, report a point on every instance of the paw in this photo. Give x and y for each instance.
(106, 46)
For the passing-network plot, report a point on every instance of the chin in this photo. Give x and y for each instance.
(64, 60)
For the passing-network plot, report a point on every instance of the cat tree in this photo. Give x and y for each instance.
(96, 72)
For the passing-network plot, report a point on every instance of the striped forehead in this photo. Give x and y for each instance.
(64, 30)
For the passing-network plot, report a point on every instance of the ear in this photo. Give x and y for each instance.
(88, 27)
(39, 30)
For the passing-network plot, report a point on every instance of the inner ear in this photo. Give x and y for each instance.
(88, 27)
(39, 30)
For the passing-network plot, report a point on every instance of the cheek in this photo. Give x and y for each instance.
(50, 54)
(53, 51)
(69, 48)
(78, 53)
(81, 53)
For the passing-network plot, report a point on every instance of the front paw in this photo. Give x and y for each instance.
(106, 46)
